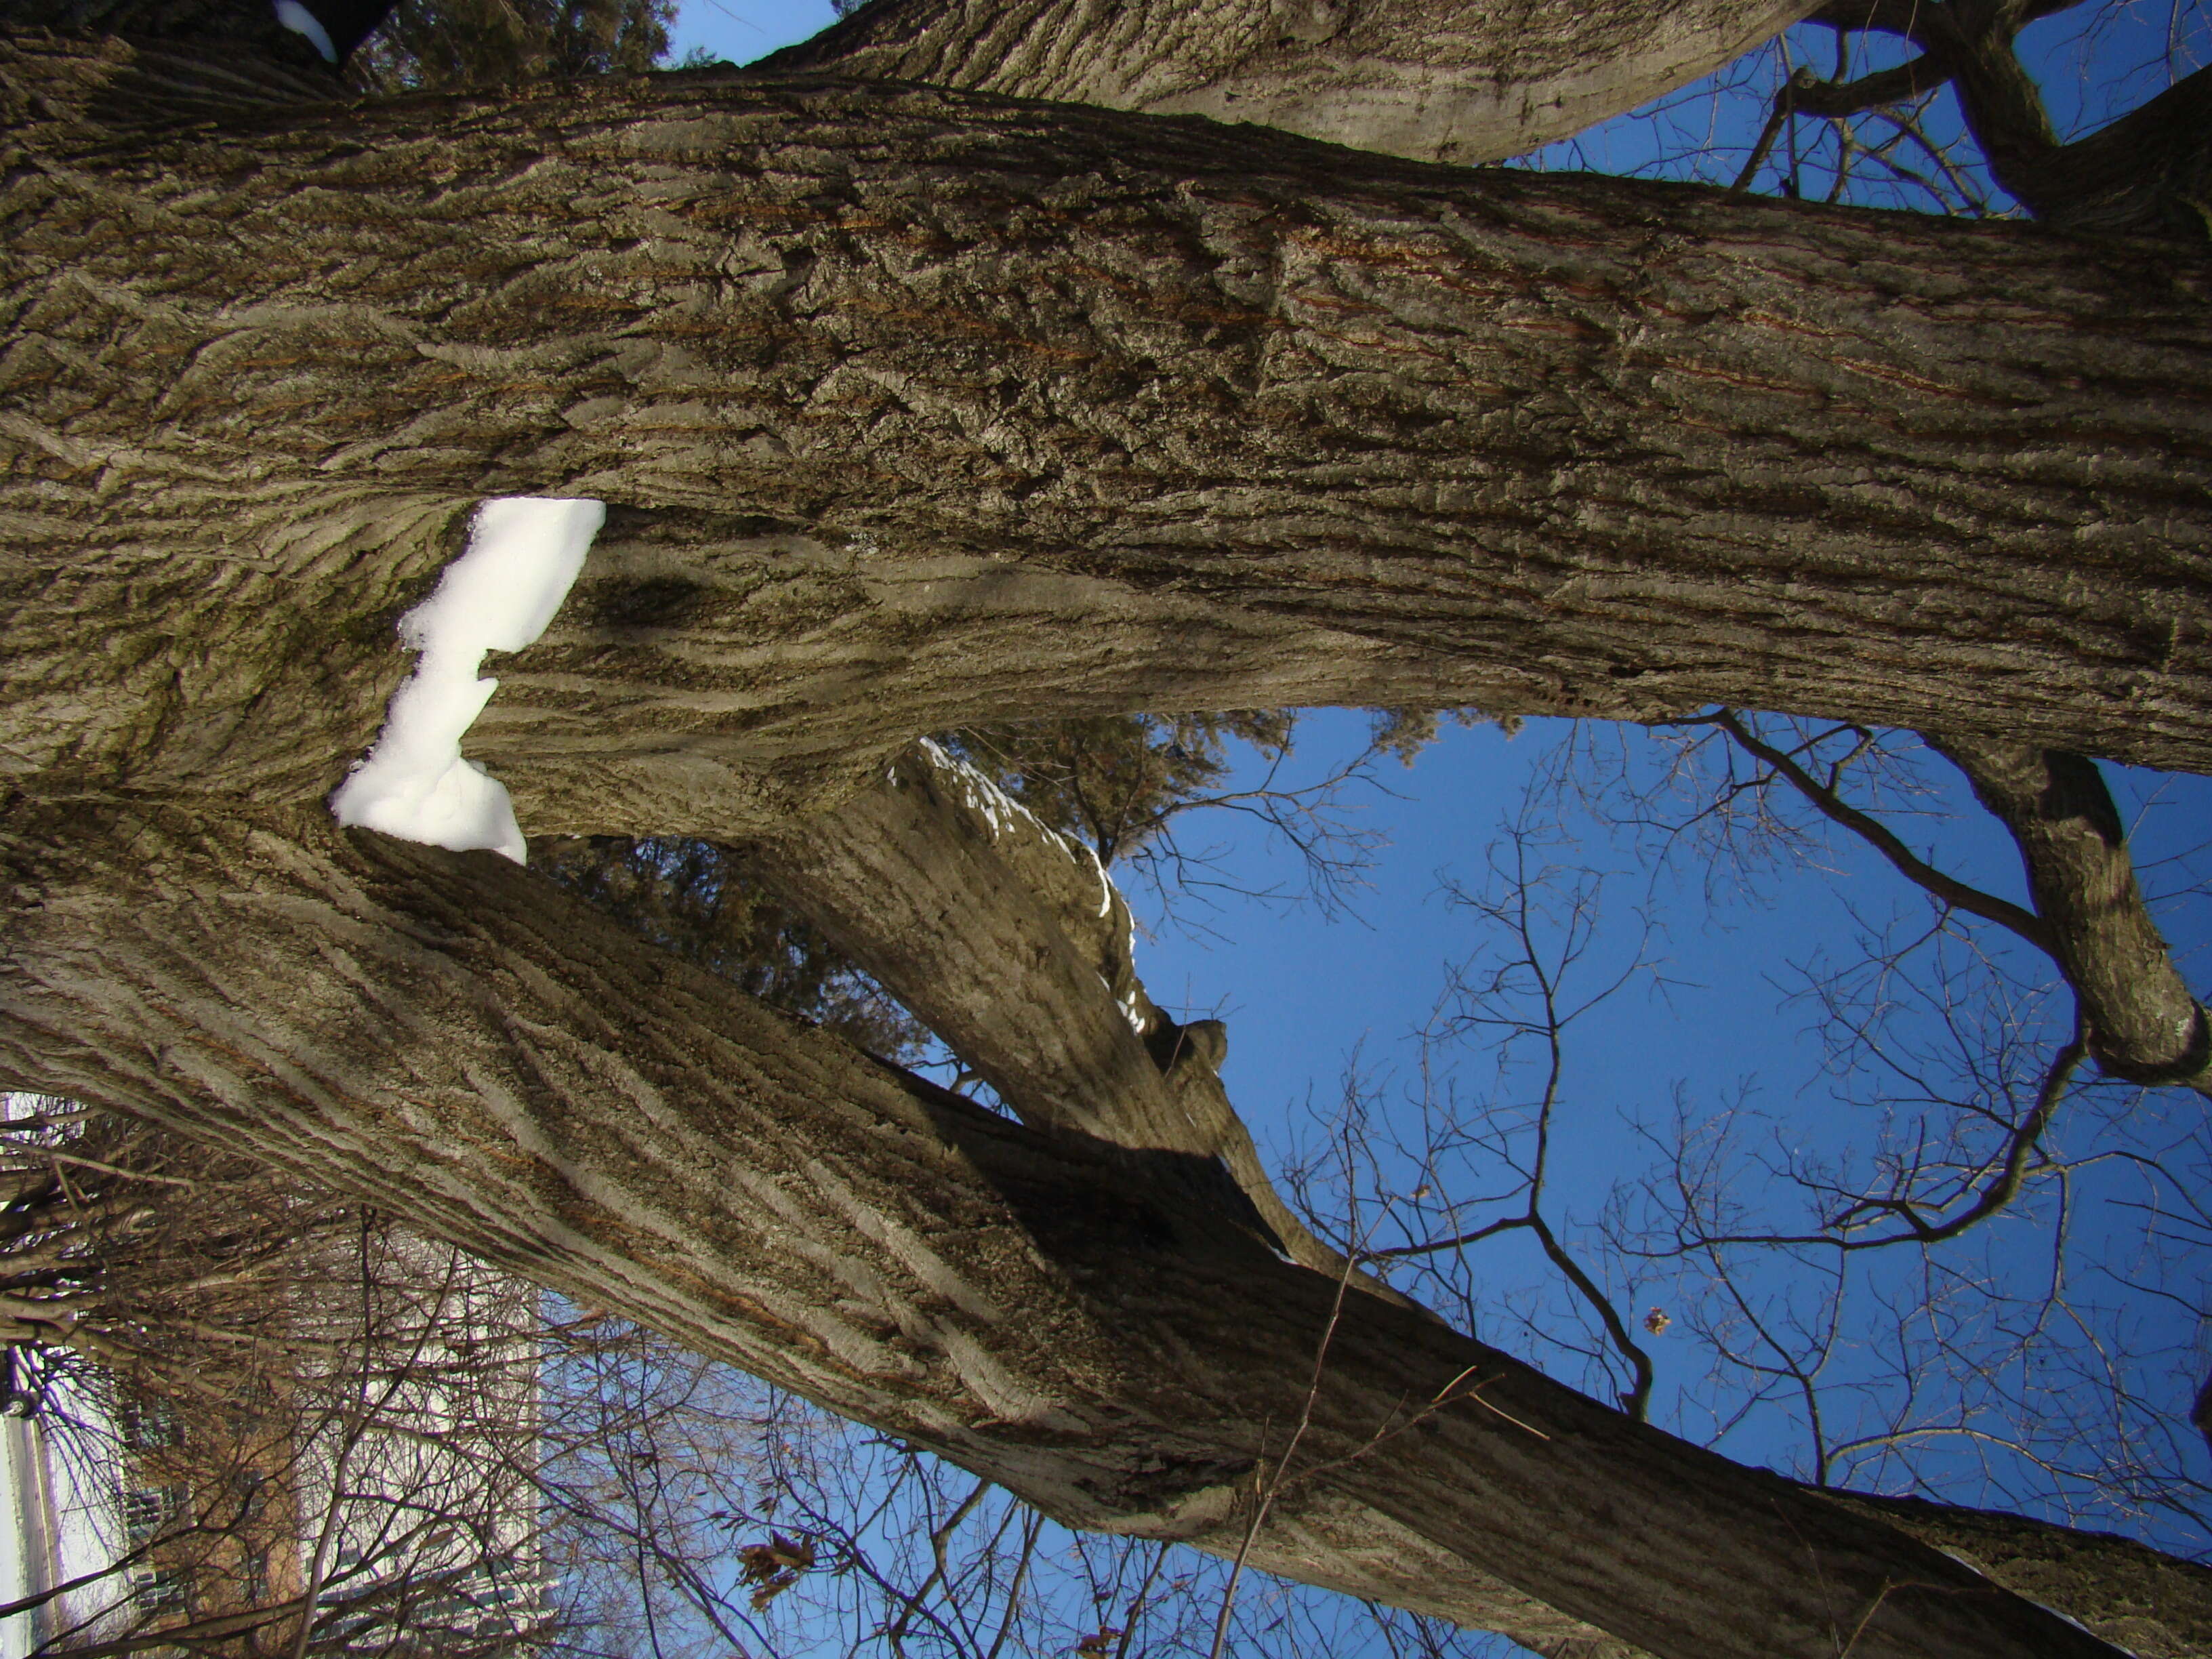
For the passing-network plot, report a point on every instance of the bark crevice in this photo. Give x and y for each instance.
(446, 1034)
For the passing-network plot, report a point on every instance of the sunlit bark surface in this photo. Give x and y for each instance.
(912, 406)
(1434, 80)
(1580, 446)
(1099, 1329)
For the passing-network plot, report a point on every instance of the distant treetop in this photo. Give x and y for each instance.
(427, 45)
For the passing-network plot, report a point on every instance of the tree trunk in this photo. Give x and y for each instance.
(1096, 1326)
(910, 404)
(1550, 444)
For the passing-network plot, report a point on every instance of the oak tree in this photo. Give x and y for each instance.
(915, 403)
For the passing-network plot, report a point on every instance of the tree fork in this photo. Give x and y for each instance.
(449, 1038)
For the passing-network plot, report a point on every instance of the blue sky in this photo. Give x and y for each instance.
(1721, 1021)
(742, 30)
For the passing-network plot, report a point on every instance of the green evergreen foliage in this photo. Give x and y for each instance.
(1114, 781)
(692, 898)
(430, 44)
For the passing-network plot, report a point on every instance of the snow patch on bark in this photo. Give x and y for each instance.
(980, 795)
(298, 19)
(523, 555)
(1130, 1012)
(1001, 812)
(1105, 887)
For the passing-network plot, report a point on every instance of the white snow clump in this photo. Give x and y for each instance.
(298, 19)
(524, 552)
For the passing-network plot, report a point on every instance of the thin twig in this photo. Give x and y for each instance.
(1953, 892)
(1273, 1483)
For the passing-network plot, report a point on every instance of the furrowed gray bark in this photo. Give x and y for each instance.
(909, 879)
(1015, 948)
(1431, 79)
(1583, 446)
(881, 383)
(1091, 1325)
(2133, 1596)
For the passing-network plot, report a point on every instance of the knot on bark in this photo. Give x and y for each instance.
(1203, 1043)
(1184, 1499)
(2188, 1067)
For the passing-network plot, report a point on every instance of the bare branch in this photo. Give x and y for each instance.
(2143, 1022)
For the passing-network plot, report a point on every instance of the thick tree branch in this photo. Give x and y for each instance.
(1432, 80)
(1972, 44)
(78, 77)
(916, 879)
(2151, 1604)
(2148, 174)
(1013, 946)
(1833, 100)
(449, 1038)
(1805, 93)
(2141, 1023)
